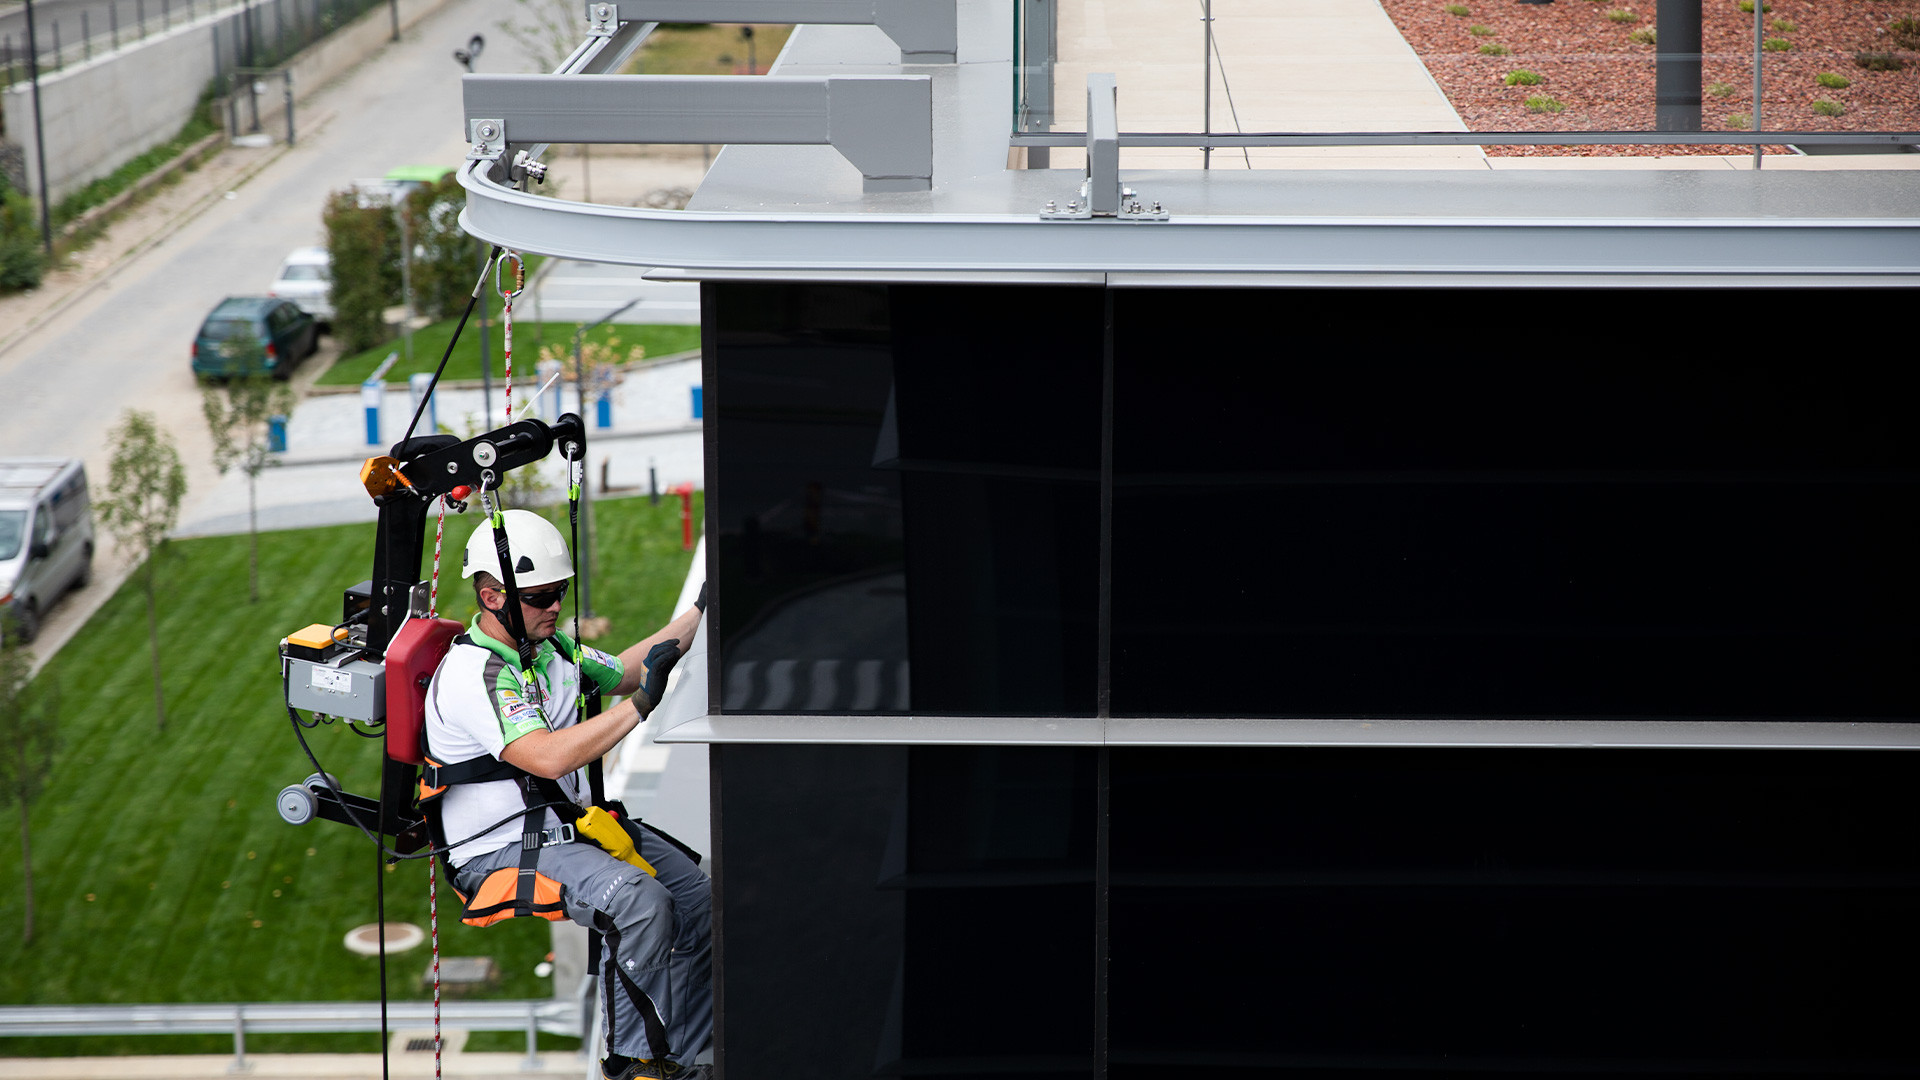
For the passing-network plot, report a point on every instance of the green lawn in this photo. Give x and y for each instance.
(708, 49)
(528, 336)
(162, 872)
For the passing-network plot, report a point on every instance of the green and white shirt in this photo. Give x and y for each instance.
(479, 701)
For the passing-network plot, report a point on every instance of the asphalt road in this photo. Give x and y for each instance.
(125, 344)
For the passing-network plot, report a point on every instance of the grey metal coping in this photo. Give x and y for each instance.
(1740, 226)
(1219, 732)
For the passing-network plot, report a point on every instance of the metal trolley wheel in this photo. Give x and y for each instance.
(296, 801)
(295, 804)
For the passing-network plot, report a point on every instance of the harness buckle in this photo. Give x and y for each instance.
(562, 834)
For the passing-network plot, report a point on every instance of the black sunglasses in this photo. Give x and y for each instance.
(545, 598)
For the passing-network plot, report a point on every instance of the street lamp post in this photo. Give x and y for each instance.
(39, 137)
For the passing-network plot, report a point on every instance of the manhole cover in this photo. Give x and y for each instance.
(365, 940)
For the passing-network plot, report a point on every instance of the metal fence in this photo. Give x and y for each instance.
(274, 1018)
(260, 33)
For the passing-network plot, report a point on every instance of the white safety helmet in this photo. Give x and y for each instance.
(539, 552)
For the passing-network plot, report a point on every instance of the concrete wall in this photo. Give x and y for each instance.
(99, 114)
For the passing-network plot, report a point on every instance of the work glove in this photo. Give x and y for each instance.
(660, 661)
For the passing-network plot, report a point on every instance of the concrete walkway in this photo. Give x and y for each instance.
(1278, 65)
(317, 480)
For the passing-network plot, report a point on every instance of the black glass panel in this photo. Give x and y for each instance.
(997, 410)
(1390, 522)
(908, 502)
(1510, 911)
(886, 911)
(813, 614)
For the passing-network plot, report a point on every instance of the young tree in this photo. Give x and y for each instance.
(237, 414)
(549, 29)
(28, 738)
(145, 483)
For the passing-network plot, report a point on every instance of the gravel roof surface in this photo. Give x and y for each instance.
(1601, 79)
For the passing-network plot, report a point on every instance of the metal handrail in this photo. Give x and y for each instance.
(533, 1015)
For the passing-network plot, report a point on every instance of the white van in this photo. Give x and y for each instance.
(46, 535)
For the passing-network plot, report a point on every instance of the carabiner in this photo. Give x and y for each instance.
(519, 275)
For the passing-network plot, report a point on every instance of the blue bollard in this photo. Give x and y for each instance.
(371, 392)
(603, 412)
(277, 434)
(699, 407)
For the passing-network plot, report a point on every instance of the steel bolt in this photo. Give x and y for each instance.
(1052, 206)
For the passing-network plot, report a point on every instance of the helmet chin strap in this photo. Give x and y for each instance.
(511, 617)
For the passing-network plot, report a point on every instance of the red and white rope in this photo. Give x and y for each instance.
(506, 315)
(439, 531)
(433, 921)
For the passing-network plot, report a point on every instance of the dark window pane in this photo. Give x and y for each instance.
(809, 530)
(1503, 911)
(907, 496)
(1391, 524)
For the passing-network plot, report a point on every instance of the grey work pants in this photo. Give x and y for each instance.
(658, 930)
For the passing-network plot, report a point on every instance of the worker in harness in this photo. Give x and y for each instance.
(504, 734)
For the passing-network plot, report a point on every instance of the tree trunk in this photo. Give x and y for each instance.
(26, 863)
(153, 646)
(253, 544)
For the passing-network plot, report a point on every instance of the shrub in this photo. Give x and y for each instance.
(1747, 6)
(1878, 61)
(1831, 81)
(1829, 107)
(1905, 32)
(1457, 9)
(1543, 103)
(1720, 89)
(22, 259)
(445, 259)
(364, 242)
(1479, 30)
(1739, 121)
(1522, 77)
(1783, 26)
(1776, 44)
(1493, 49)
(1643, 36)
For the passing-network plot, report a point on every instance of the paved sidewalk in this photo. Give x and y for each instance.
(317, 480)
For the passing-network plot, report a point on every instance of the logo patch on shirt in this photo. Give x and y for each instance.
(515, 709)
(597, 656)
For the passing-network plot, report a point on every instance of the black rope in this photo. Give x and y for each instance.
(471, 300)
(380, 920)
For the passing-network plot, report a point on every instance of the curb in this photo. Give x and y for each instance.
(475, 384)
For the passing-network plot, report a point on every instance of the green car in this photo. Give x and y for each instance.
(254, 335)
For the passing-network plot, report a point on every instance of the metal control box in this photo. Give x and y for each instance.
(354, 690)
